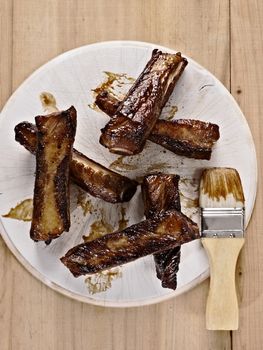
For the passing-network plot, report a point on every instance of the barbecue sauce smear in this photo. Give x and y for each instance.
(113, 80)
(84, 203)
(100, 282)
(22, 211)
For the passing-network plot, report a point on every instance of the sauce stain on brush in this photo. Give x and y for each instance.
(217, 184)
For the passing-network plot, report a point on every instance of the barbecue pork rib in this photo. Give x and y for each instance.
(92, 177)
(164, 231)
(136, 115)
(51, 215)
(160, 192)
(185, 137)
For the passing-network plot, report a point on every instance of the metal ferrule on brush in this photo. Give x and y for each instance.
(222, 222)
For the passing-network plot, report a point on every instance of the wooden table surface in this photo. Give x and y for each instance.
(225, 36)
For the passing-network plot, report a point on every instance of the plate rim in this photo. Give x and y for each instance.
(87, 299)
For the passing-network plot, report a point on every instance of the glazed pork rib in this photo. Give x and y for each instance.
(161, 232)
(160, 193)
(107, 103)
(136, 115)
(56, 133)
(185, 137)
(90, 176)
(100, 181)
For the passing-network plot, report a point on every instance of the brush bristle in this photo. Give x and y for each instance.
(221, 188)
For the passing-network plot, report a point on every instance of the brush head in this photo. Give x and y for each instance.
(222, 203)
(221, 188)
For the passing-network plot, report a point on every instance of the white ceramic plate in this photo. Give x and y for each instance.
(70, 78)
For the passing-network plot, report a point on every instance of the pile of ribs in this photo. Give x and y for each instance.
(135, 118)
(132, 121)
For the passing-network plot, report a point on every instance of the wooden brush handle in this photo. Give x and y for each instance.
(222, 305)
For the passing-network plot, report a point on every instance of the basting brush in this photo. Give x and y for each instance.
(222, 233)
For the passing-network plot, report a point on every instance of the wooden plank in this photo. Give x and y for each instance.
(247, 88)
(6, 54)
(6, 274)
(39, 318)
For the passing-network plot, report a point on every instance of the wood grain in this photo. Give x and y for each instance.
(32, 32)
(247, 88)
(6, 52)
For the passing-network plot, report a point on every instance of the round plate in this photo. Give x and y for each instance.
(70, 78)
